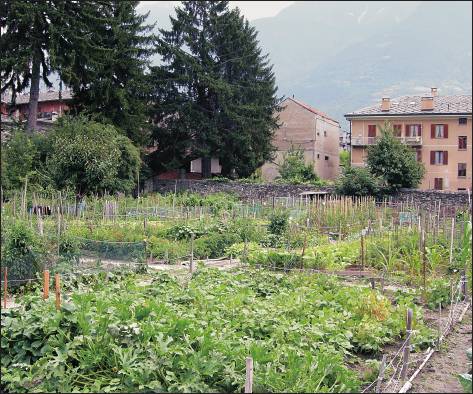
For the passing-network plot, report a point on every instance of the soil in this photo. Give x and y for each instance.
(439, 375)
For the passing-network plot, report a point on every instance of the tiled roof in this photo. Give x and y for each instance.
(43, 96)
(411, 105)
(312, 109)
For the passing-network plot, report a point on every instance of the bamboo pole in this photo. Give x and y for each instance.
(382, 367)
(5, 286)
(58, 291)
(407, 347)
(45, 284)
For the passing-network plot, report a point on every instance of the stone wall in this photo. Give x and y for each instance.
(247, 191)
(431, 198)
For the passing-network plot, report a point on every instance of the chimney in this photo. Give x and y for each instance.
(433, 92)
(385, 104)
(427, 103)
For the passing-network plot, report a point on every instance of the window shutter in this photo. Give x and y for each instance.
(432, 157)
(445, 131)
(445, 157)
(432, 131)
(436, 183)
(407, 130)
(420, 130)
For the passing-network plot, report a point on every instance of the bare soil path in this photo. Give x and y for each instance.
(440, 373)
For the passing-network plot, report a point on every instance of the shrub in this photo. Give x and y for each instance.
(22, 252)
(358, 181)
(170, 251)
(294, 169)
(214, 245)
(278, 223)
(395, 162)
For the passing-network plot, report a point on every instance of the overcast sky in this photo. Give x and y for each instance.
(251, 9)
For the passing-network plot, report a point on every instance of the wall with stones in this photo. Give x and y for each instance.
(248, 191)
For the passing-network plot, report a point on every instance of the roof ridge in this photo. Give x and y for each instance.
(312, 109)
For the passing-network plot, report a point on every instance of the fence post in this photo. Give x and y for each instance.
(58, 291)
(463, 283)
(439, 327)
(5, 287)
(362, 251)
(191, 263)
(407, 347)
(372, 283)
(249, 375)
(424, 267)
(45, 284)
(382, 367)
(452, 233)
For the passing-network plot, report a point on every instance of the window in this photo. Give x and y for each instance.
(372, 130)
(438, 157)
(397, 130)
(419, 155)
(462, 121)
(318, 155)
(462, 142)
(325, 133)
(438, 183)
(461, 189)
(461, 170)
(326, 157)
(413, 130)
(439, 131)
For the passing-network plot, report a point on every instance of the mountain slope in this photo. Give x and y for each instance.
(381, 48)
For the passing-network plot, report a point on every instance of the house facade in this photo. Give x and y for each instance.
(309, 129)
(51, 104)
(438, 128)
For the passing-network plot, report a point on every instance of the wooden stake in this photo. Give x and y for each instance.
(407, 347)
(45, 284)
(382, 367)
(424, 266)
(451, 241)
(58, 291)
(249, 375)
(5, 287)
(191, 263)
(439, 327)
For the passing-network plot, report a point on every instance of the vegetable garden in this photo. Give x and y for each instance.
(316, 292)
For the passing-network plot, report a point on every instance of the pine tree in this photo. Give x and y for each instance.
(215, 92)
(33, 33)
(115, 88)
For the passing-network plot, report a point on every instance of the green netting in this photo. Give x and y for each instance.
(105, 250)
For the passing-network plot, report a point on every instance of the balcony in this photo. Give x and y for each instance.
(364, 141)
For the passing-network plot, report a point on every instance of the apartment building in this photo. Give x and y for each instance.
(437, 127)
(310, 130)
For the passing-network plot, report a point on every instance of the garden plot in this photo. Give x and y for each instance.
(303, 332)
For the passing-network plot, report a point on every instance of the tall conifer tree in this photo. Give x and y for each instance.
(215, 92)
(33, 34)
(115, 89)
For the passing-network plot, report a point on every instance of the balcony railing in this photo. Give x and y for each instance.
(363, 141)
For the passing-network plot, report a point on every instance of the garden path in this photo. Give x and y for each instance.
(440, 373)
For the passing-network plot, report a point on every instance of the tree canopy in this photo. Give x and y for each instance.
(214, 92)
(394, 161)
(90, 157)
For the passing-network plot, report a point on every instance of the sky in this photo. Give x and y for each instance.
(251, 9)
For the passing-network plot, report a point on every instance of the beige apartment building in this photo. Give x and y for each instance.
(437, 127)
(312, 131)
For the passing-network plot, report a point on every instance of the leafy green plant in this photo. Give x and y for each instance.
(278, 223)
(465, 378)
(22, 251)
